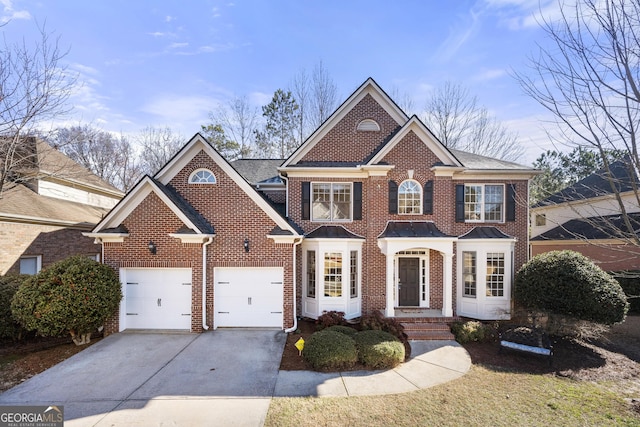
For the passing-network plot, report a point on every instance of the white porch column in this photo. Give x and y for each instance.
(390, 309)
(447, 295)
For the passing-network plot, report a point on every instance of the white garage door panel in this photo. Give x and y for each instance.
(158, 299)
(248, 297)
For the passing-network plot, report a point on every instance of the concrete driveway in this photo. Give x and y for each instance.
(224, 377)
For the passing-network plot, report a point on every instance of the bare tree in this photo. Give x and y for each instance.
(34, 88)
(404, 100)
(110, 157)
(316, 96)
(158, 146)
(589, 79)
(455, 117)
(324, 95)
(237, 120)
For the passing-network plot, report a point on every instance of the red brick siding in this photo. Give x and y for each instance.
(345, 143)
(609, 257)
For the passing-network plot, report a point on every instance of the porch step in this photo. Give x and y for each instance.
(427, 330)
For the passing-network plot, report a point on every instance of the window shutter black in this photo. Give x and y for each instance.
(427, 206)
(393, 197)
(357, 200)
(306, 200)
(460, 203)
(511, 202)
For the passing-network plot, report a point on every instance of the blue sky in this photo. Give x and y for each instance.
(171, 62)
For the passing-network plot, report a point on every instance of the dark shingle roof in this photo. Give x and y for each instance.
(607, 227)
(332, 232)
(485, 233)
(259, 171)
(597, 184)
(411, 229)
(186, 208)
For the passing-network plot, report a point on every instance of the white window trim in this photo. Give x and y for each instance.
(193, 174)
(331, 184)
(482, 210)
(38, 259)
(420, 197)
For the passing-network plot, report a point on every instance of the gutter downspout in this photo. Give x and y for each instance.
(204, 282)
(295, 302)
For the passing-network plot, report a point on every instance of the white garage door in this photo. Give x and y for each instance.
(158, 298)
(248, 297)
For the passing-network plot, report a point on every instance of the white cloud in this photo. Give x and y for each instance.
(178, 45)
(490, 74)
(184, 113)
(458, 36)
(9, 13)
(260, 98)
(169, 18)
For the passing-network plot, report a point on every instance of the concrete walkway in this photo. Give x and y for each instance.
(224, 377)
(431, 363)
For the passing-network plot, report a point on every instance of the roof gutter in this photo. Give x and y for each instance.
(204, 282)
(295, 285)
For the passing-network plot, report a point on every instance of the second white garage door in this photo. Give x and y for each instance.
(248, 297)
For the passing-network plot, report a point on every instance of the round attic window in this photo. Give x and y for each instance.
(202, 176)
(369, 125)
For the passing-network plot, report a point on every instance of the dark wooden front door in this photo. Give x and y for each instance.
(409, 286)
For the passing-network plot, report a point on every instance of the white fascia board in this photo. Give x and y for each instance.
(446, 171)
(197, 144)
(502, 174)
(121, 211)
(361, 171)
(415, 125)
(192, 238)
(369, 87)
(107, 237)
(280, 239)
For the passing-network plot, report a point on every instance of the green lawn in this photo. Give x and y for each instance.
(483, 397)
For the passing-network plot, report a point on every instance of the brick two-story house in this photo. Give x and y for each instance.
(372, 212)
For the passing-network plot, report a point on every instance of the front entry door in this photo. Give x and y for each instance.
(409, 285)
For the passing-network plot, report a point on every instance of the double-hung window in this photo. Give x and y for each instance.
(469, 274)
(331, 201)
(495, 274)
(484, 202)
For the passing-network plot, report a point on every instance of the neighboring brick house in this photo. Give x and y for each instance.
(46, 206)
(586, 217)
(370, 213)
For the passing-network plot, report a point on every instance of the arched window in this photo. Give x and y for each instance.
(410, 198)
(202, 176)
(369, 125)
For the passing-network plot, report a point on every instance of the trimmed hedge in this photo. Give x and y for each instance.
(570, 284)
(347, 330)
(330, 350)
(469, 331)
(379, 349)
(9, 327)
(74, 296)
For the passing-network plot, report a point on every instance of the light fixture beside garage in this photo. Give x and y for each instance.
(152, 247)
(246, 245)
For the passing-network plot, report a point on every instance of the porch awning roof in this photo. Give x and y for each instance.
(419, 229)
(332, 232)
(485, 233)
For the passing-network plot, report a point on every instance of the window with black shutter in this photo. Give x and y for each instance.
(427, 207)
(393, 197)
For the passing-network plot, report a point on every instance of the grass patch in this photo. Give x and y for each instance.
(480, 398)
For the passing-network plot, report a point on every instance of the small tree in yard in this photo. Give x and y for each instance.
(569, 285)
(9, 285)
(75, 295)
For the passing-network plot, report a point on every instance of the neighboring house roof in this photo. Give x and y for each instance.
(332, 232)
(622, 176)
(55, 164)
(420, 229)
(594, 228)
(485, 233)
(259, 171)
(476, 161)
(21, 203)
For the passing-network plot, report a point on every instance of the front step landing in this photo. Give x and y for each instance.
(426, 331)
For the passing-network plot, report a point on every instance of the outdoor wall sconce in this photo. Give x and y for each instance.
(246, 245)
(152, 247)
